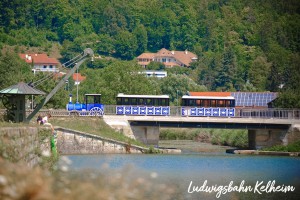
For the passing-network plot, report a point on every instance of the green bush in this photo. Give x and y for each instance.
(236, 138)
(294, 147)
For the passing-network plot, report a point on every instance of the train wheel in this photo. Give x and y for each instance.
(96, 111)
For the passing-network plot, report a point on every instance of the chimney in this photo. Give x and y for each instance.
(172, 52)
(186, 51)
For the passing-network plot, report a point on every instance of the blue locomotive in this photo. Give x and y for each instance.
(91, 107)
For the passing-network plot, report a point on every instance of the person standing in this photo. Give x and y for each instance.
(45, 121)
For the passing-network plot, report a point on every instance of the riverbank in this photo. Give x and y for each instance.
(258, 152)
(191, 146)
(292, 149)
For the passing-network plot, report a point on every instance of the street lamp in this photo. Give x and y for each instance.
(177, 96)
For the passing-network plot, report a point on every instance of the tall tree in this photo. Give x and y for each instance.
(258, 73)
(227, 73)
(142, 38)
(13, 70)
(126, 45)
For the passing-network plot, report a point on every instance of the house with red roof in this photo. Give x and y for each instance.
(78, 78)
(168, 58)
(41, 62)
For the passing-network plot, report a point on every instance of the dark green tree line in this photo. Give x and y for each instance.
(240, 44)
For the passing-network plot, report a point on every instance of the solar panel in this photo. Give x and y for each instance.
(253, 98)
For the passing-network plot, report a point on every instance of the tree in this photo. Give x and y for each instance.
(227, 73)
(258, 73)
(13, 70)
(177, 85)
(142, 38)
(155, 66)
(126, 45)
(117, 77)
(290, 95)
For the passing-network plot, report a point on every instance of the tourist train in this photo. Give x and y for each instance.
(158, 105)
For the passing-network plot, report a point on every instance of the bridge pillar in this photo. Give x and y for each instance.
(261, 138)
(149, 135)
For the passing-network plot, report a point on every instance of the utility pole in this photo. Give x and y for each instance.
(177, 97)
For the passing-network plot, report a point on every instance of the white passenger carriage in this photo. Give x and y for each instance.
(206, 106)
(142, 104)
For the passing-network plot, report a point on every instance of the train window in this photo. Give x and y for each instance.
(206, 103)
(232, 103)
(198, 102)
(133, 101)
(119, 101)
(141, 101)
(97, 99)
(213, 103)
(228, 104)
(163, 102)
(149, 102)
(156, 102)
(126, 101)
(220, 103)
(192, 102)
(167, 102)
(188, 102)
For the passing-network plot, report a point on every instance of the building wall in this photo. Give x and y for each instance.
(45, 68)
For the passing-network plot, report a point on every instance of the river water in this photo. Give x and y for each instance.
(202, 167)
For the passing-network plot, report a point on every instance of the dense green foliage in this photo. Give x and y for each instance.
(293, 147)
(227, 137)
(249, 45)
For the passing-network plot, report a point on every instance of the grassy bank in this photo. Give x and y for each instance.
(93, 125)
(294, 147)
(227, 137)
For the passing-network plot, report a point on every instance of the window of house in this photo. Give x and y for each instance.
(51, 66)
(45, 66)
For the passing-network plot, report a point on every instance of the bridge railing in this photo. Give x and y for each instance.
(268, 113)
(239, 112)
(275, 113)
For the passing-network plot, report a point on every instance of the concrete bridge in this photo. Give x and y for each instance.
(262, 132)
(266, 127)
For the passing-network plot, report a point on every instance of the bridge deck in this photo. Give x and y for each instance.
(205, 122)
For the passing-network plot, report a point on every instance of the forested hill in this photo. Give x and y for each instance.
(242, 45)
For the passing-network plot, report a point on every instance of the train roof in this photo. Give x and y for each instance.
(207, 97)
(143, 96)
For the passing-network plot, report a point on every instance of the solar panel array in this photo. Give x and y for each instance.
(253, 98)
